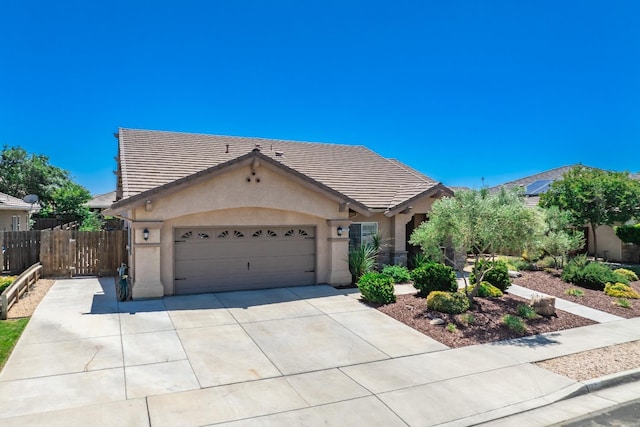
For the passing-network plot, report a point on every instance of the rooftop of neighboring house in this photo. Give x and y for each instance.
(102, 201)
(151, 159)
(8, 202)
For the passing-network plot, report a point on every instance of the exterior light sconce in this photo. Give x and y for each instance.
(340, 230)
(145, 234)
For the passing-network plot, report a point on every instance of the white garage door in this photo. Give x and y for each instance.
(234, 258)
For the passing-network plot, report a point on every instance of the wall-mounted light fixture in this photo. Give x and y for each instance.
(340, 230)
(145, 234)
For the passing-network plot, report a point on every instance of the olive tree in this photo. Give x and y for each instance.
(479, 223)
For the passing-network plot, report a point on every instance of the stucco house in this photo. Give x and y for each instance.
(215, 213)
(15, 213)
(610, 247)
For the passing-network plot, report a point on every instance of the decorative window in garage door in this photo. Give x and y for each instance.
(195, 235)
(264, 233)
(296, 233)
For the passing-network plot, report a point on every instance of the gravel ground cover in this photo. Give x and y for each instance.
(30, 300)
(486, 326)
(541, 281)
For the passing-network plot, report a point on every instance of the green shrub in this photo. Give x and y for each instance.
(629, 233)
(514, 323)
(448, 302)
(487, 290)
(434, 277)
(377, 288)
(398, 273)
(624, 303)
(524, 265)
(362, 259)
(574, 292)
(451, 327)
(467, 319)
(593, 275)
(546, 262)
(628, 274)
(510, 262)
(526, 312)
(620, 290)
(5, 282)
(498, 275)
(418, 260)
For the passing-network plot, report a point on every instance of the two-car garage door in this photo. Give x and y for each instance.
(232, 258)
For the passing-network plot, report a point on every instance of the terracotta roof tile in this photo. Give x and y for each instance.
(153, 158)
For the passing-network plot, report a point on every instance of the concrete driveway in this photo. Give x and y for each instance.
(211, 356)
(295, 356)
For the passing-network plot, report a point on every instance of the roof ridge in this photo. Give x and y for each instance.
(411, 170)
(258, 138)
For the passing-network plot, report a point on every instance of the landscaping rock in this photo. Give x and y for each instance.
(437, 321)
(544, 306)
(514, 274)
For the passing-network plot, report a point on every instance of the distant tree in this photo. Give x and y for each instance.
(92, 222)
(22, 173)
(478, 223)
(595, 197)
(559, 237)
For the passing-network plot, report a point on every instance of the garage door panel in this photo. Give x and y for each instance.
(232, 258)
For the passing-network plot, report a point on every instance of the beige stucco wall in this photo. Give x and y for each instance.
(6, 218)
(393, 229)
(270, 197)
(609, 245)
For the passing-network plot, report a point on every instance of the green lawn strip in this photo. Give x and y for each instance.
(10, 331)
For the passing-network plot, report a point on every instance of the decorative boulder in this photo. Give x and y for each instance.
(514, 274)
(544, 306)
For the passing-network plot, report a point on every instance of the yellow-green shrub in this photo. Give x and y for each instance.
(628, 274)
(448, 302)
(620, 290)
(5, 282)
(487, 290)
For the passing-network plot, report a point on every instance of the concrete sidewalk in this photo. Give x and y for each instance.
(301, 356)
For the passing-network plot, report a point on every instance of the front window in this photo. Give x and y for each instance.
(362, 233)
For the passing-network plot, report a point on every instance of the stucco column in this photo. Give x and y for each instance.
(146, 260)
(399, 234)
(339, 252)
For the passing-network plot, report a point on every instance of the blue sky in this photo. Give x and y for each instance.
(460, 90)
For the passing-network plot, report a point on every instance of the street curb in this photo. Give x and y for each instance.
(612, 380)
(578, 389)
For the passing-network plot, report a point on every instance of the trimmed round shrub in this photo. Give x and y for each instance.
(620, 290)
(498, 275)
(398, 273)
(628, 274)
(377, 288)
(448, 302)
(593, 275)
(434, 276)
(487, 290)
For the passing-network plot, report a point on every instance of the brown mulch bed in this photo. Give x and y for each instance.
(547, 283)
(487, 326)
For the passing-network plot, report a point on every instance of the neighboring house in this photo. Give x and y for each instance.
(610, 247)
(15, 213)
(215, 213)
(101, 202)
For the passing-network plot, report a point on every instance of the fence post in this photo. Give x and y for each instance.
(5, 307)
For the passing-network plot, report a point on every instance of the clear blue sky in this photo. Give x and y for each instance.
(460, 90)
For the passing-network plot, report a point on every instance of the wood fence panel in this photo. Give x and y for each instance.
(64, 252)
(20, 250)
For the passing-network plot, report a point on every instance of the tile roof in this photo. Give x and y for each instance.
(102, 201)
(553, 174)
(150, 159)
(8, 202)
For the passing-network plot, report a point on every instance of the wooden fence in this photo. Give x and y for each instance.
(22, 284)
(20, 249)
(65, 252)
